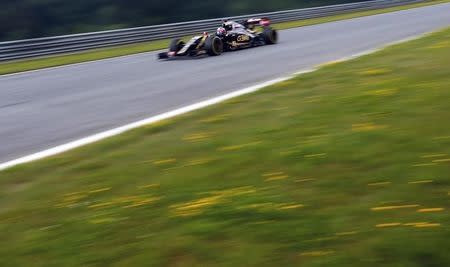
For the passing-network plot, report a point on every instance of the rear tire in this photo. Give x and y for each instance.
(213, 46)
(176, 45)
(269, 35)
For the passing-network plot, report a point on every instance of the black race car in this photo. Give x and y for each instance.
(229, 37)
(243, 35)
(205, 44)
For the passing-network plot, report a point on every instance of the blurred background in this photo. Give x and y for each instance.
(23, 19)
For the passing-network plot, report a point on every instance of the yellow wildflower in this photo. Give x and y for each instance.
(196, 137)
(101, 205)
(383, 92)
(434, 156)
(304, 180)
(291, 206)
(427, 225)
(99, 190)
(363, 127)
(430, 210)
(421, 182)
(381, 225)
(217, 118)
(317, 253)
(373, 72)
(272, 174)
(441, 160)
(276, 178)
(164, 161)
(379, 183)
(394, 207)
(142, 202)
(423, 164)
(346, 233)
(414, 223)
(238, 147)
(148, 186)
(315, 155)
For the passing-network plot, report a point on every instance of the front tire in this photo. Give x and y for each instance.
(269, 35)
(176, 45)
(214, 46)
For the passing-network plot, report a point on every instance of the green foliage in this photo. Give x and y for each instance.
(22, 19)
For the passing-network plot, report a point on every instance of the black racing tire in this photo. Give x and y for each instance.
(176, 45)
(269, 35)
(213, 45)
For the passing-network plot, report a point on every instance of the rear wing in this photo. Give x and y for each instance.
(257, 21)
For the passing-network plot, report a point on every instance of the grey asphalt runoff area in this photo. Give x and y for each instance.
(50, 107)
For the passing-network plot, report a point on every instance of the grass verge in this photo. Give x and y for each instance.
(96, 54)
(346, 166)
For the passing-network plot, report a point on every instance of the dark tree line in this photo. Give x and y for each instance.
(20, 19)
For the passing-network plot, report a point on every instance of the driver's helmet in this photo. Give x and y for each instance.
(228, 25)
(221, 31)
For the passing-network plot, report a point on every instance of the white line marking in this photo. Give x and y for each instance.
(116, 131)
(100, 136)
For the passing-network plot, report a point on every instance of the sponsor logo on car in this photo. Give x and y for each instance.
(243, 38)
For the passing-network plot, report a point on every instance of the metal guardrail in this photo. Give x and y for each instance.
(37, 47)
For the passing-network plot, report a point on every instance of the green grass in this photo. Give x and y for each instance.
(289, 176)
(53, 61)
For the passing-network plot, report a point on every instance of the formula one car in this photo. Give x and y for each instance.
(205, 44)
(243, 35)
(229, 37)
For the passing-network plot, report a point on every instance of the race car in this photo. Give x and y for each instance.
(205, 44)
(243, 35)
(229, 37)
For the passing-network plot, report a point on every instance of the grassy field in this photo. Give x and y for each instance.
(346, 166)
(96, 54)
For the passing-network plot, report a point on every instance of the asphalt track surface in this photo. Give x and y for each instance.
(50, 107)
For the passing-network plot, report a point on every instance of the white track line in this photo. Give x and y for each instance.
(116, 131)
(163, 116)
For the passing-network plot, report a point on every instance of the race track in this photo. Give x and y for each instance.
(45, 108)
